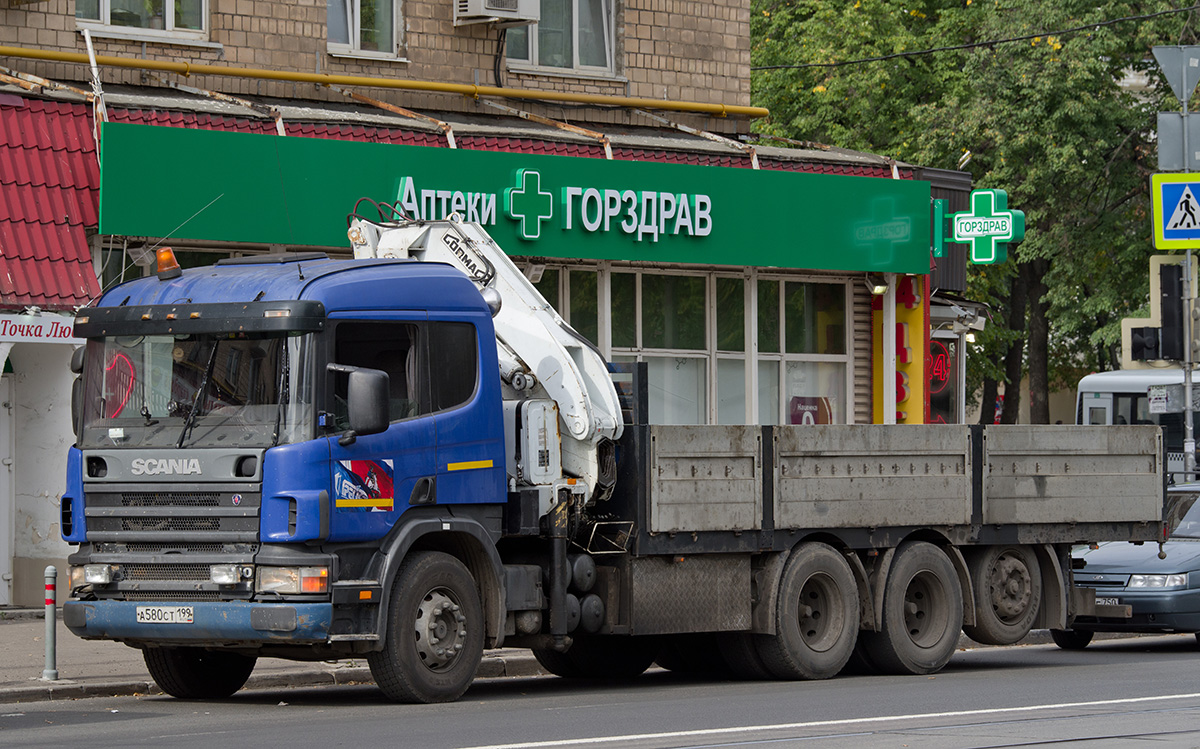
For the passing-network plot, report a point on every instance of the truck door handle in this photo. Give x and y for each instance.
(424, 492)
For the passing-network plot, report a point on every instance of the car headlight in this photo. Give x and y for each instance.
(1157, 581)
(291, 580)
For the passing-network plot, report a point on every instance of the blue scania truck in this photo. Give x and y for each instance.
(409, 457)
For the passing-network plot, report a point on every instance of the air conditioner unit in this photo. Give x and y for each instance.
(504, 12)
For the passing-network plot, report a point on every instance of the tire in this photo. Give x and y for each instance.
(693, 655)
(922, 613)
(1008, 593)
(816, 621)
(741, 656)
(603, 657)
(1073, 639)
(196, 673)
(434, 638)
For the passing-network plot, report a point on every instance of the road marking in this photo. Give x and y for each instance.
(599, 740)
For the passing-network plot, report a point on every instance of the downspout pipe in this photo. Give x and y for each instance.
(324, 79)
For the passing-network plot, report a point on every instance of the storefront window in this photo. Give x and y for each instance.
(731, 391)
(673, 312)
(624, 310)
(768, 317)
(547, 286)
(584, 312)
(731, 314)
(816, 392)
(807, 321)
(677, 390)
(768, 392)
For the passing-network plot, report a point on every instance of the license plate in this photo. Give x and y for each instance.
(1108, 601)
(164, 614)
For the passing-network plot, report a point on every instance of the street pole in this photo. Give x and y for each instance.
(1189, 439)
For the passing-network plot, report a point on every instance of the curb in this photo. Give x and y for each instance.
(489, 668)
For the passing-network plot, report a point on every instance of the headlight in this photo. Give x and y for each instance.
(291, 580)
(1157, 581)
(97, 574)
(230, 574)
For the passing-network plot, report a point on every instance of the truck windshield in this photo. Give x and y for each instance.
(203, 390)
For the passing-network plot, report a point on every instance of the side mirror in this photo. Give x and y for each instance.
(368, 401)
(367, 396)
(76, 403)
(77, 360)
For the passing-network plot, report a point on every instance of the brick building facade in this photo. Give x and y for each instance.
(683, 50)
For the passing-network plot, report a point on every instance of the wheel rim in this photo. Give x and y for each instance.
(820, 613)
(440, 630)
(1011, 588)
(925, 609)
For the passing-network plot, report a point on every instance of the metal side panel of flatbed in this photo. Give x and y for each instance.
(872, 475)
(1072, 474)
(706, 478)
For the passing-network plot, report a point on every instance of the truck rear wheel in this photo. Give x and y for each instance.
(434, 639)
(604, 657)
(1008, 593)
(741, 654)
(1074, 639)
(196, 673)
(922, 613)
(816, 622)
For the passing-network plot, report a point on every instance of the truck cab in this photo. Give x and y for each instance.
(244, 429)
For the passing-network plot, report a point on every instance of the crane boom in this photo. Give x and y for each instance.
(538, 350)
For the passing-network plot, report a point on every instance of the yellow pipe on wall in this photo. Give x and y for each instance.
(473, 91)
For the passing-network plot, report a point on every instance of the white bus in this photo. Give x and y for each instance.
(1121, 398)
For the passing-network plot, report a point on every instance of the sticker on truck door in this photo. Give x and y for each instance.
(363, 486)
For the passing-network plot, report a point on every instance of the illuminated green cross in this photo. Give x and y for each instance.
(529, 203)
(989, 226)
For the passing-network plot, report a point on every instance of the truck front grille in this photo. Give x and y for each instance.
(164, 543)
(136, 515)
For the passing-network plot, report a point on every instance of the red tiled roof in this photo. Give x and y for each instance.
(49, 189)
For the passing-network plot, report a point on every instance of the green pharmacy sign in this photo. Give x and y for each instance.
(293, 191)
(989, 226)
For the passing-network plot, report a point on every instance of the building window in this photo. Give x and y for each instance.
(695, 330)
(803, 359)
(186, 17)
(572, 34)
(365, 27)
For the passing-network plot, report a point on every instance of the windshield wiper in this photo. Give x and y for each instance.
(190, 420)
(284, 392)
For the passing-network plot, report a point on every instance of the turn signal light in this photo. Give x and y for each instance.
(168, 266)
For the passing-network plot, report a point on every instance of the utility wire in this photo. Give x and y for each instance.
(973, 45)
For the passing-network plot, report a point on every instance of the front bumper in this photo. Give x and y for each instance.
(1153, 611)
(213, 622)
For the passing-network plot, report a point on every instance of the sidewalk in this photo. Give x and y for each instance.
(100, 668)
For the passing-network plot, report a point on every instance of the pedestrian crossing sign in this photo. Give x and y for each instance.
(1175, 209)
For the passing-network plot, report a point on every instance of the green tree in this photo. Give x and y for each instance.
(1051, 119)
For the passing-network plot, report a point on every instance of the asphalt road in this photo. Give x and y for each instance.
(1117, 693)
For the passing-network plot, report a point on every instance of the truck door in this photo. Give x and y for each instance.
(380, 475)
(466, 403)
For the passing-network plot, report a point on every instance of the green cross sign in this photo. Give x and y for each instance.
(529, 203)
(989, 226)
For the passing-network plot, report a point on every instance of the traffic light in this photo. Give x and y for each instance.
(1144, 344)
(1170, 339)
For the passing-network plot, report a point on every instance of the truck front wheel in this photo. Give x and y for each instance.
(434, 638)
(196, 673)
(922, 613)
(816, 623)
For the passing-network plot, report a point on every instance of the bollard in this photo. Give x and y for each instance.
(50, 673)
